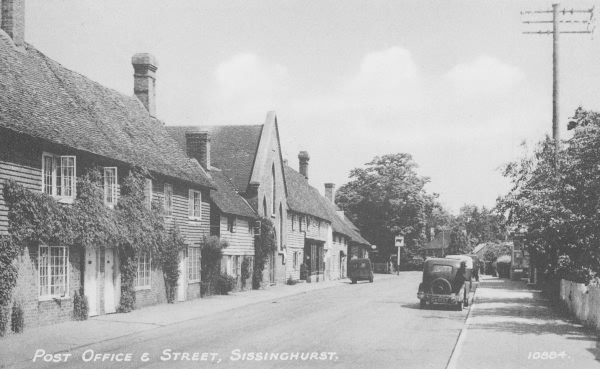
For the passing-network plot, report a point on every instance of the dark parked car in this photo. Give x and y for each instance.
(443, 283)
(360, 270)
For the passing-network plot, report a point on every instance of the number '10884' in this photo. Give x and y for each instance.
(545, 355)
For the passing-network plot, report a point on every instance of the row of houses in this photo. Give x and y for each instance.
(55, 124)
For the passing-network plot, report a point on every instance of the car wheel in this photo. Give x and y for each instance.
(371, 280)
(460, 306)
(354, 281)
(423, 304)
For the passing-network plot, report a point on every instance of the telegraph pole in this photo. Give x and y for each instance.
(576, 27)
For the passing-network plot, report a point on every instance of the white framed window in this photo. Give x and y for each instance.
(193, 264)
(148, 193)
(195, 205)
(319, 226)
(142, 277)
(293, 222)
(301, 223)
(58, 176)
(231, 224)
(53, 262)
(110, 186)
(295, 260)
(168, 200)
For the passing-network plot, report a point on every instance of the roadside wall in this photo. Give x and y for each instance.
(582, 301)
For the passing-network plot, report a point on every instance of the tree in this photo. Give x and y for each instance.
(459, 242)
(388, 198)
(481, 225)
(556, 195)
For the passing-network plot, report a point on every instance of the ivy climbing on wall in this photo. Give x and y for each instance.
(264, 245)
(36, 218)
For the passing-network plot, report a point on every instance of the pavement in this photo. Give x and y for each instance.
(68, 336)
(510, 325)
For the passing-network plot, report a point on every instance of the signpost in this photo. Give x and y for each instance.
(399, 242)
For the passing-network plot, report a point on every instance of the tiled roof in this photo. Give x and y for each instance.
(440, 241)
(226, 199)
(41, 98)
(232, 149)
(302, 197)
(343, 226)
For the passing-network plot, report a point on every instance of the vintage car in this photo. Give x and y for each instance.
(443, 283)
(360, 270)
(469, 264)
(476, 266)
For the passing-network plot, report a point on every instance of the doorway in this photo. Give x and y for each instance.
(109, 281)
(90, 286)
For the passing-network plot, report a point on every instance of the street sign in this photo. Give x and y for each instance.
(399, 241)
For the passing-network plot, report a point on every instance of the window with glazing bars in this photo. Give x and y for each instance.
(58, 175)
(148, 193)
(168, 200)
(195, 204)
(110, 186)
(53, 271)
(142, 279)
(193, 264)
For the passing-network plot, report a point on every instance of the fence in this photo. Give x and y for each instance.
(582, 301)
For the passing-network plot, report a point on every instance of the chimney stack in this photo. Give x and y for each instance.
(198, 147)
(144, 80)
(330, 191)
(12, 20)
(304, 158)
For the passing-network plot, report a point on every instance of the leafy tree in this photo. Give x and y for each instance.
(556, 194)
(459, 242)
(388, 198)
(481, 225)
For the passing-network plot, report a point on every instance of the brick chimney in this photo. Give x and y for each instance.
(329, 191)
(198, 147)
(304, 158)
(144, 80)
(12, 20)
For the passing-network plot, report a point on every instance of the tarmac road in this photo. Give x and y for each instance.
(367, 325)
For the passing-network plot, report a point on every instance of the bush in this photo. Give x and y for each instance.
(17, 318)
(226, 283)
(246, 272)
(3, 319)
(80, 306)
(303, 272)
(291, 281)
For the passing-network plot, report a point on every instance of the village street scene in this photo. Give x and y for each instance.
(350, 184)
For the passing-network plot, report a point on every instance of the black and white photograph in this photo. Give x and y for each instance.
(299, 184)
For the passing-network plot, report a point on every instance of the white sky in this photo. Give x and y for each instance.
(454, 83)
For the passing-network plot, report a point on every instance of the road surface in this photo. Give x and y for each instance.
(365, 325)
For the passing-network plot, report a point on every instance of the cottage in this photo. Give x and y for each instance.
(249, 158)
(55, 124)
(309, 225)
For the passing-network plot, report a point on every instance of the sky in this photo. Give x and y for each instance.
(455, 84)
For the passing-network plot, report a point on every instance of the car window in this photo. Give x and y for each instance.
(441, 269)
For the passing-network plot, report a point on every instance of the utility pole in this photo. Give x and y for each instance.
(575, 26)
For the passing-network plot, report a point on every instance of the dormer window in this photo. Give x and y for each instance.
(58, 176)
(110, 186)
